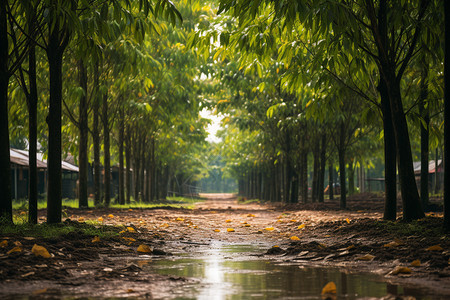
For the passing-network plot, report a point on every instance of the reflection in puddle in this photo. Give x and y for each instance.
(224, 273)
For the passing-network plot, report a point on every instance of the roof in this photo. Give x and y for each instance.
(20, 157)
(431, 166)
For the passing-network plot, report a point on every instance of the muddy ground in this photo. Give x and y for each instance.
(356, 239)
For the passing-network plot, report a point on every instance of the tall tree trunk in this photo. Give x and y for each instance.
(57, 42)
(83, 159)
(128, 168)
(390, 156)
(304, 181)
(137, 164)
(341, 154)
(316, 166)
(412, 208)
(153, 170)
(32, 131)
(446, 155)
(351, 178)
(106, 151)
(142, 168)
(96, 136)
(330, 181)
(424, 136)
(121, 163)
(5, 167)
(321, 180)
(437, 178)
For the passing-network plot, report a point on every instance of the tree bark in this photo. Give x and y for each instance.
(412, 208)
(121, 162)
(128, 168)
(424, 137)
(392, 76)
(351, 178)
(316, 166)
(96, 137)
(57, 42)
(304, 173)
(446, 155)
(106, 152)
(330, 181)
(341, 154)
(390, 156)
(32, 131)
(84, 133)
(321, 180)
(5, 166)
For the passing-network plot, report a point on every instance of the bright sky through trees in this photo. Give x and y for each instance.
(213, 127)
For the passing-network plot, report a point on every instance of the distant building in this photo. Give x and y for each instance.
(20, 175)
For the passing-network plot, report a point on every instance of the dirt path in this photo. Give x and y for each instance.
(310, 235)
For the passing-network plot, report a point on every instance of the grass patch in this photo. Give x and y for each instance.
(177, 202)
(56, 230)
(243, 200)
(427, 227)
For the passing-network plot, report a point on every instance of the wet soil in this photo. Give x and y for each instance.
(355, 239)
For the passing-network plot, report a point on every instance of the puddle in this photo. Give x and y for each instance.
(228, 272)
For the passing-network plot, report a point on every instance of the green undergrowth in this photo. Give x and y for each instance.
(426, 227)
(243, 200)
(22, 205)
(57, 230)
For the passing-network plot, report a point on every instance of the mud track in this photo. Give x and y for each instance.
(355, 239)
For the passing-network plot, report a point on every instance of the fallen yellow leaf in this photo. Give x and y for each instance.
(18, 244)
(130, 209)
(41, 291)
(246, 225)
(269, 228)
(401, 270)
(435, 248)
(122, 232)
(179, 219)
(415, 263)
(366, 257)
(128, 239)
(15, 249)
(230, 229)
(251, 215)
(130, 291)
(329, 288)
(96, 239)
(40, 251)
(81, 219)
(350, 247)
(391, 244)
(347, 220)
(3, 244)
(110, 216)
(144, 248)
(216, 230)
(301, 226)
(295, 238)
(294, 221)
(100, 219)
(22, 213)
(131, 229)
(165, 225)
(228, 221)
